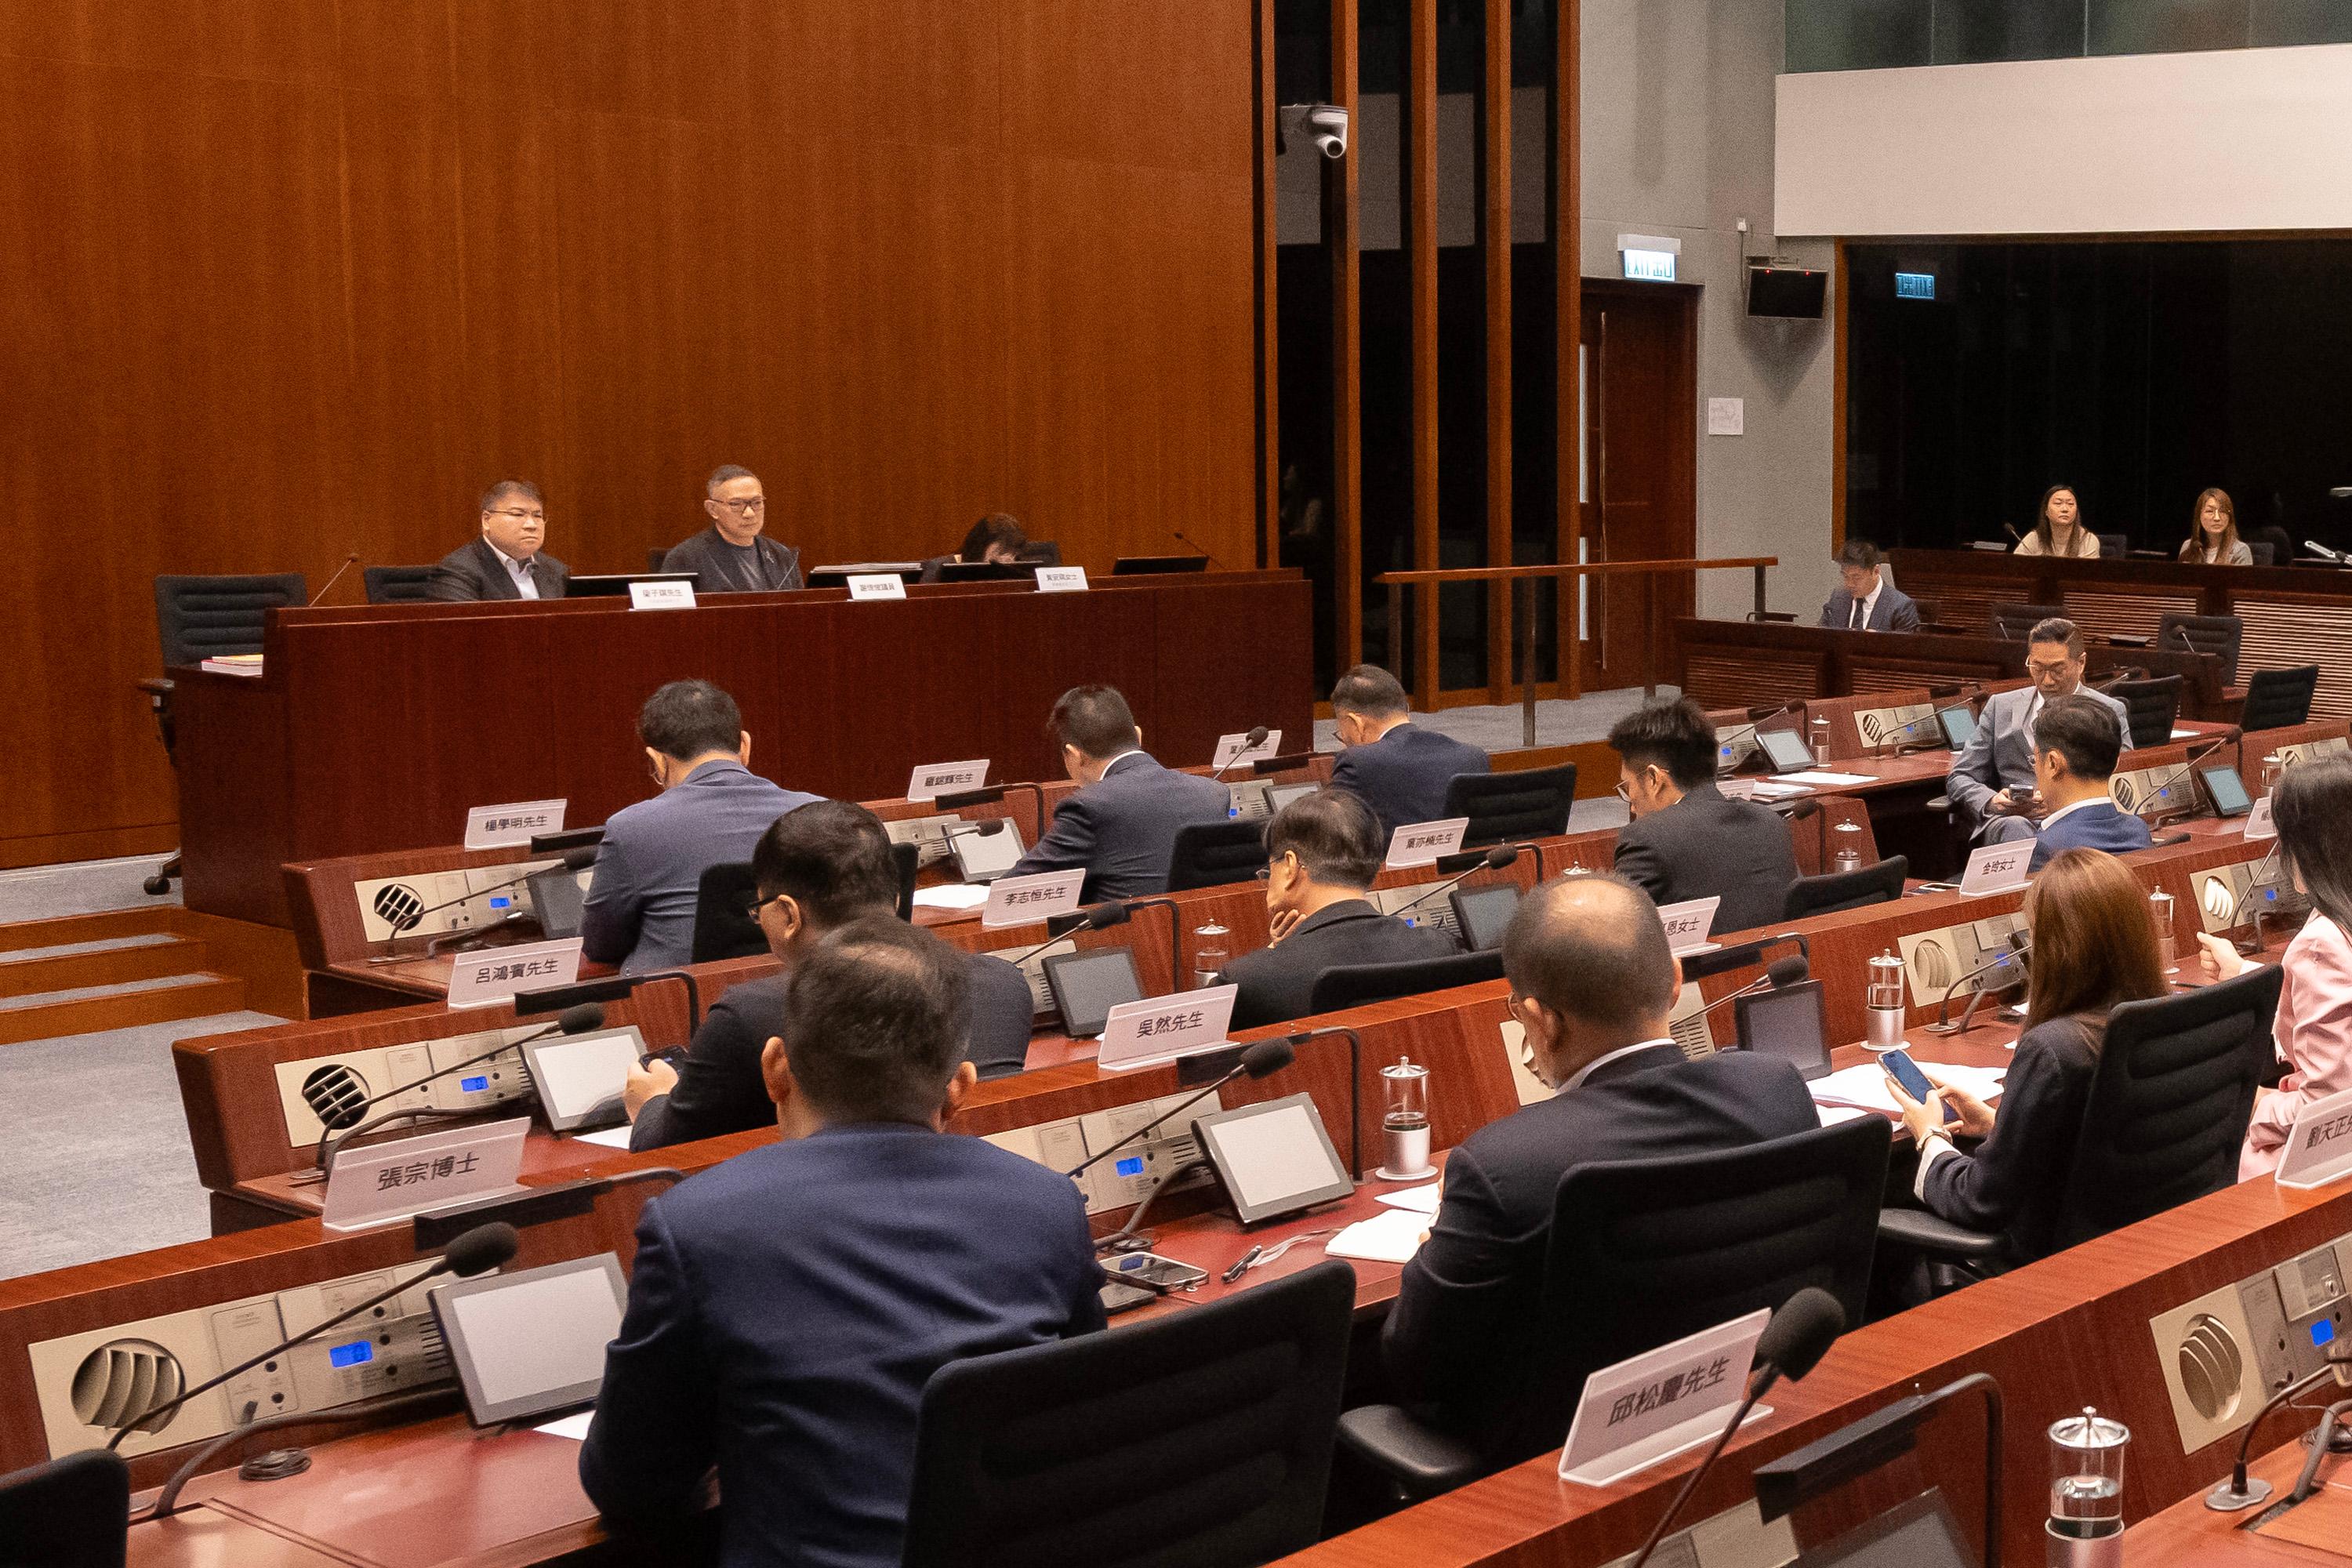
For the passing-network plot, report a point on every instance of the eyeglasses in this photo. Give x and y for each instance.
(745, 508)
(753, 903)
(1624, 791)
(2043, 667)
(518, 514)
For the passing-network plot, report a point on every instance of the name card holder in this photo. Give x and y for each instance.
(2319, 1146)
(517, 822)
(385, 1182)
(1061, 579)
(1998, 868)
(931, 780)
(1650, 1407)
(1419, 843)
(661, 595)
(1687, 925)
(1025, 900)
(482, 979)
(1162, 1028)
(2259, 824)
(877, 585)
(1230, 750)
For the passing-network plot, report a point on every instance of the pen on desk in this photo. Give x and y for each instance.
(1241, 1266)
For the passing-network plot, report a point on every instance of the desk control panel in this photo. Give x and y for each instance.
(319, 1087)
(929, 834)
(2225, 1353)
(435, 903)
(2226, 895)
(1437, 914)
(1122, 1180)
(88, 1383)
(1933, 960)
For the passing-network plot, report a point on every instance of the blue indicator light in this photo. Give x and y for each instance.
(1130, 1166)
(2323, 1331)
(359, 1353)
(501, 901)
(473, 1085)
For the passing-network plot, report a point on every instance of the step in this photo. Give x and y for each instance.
(75, 928)
(115, 961)
(80, 1010)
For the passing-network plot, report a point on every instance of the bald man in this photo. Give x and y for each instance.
(1593, 984)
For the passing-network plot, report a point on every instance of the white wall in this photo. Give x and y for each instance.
(2211, 143)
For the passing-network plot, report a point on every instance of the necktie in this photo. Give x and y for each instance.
(1856, 624)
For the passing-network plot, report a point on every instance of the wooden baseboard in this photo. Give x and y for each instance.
(158, 839)
(264, 957)
(1596, 764)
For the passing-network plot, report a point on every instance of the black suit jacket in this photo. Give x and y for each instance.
(474, 571)
(719, 1088)
(1403, 774)
(2015, 1180)
(1466, 1320)
(718, 568)
(1706, 845)
(1278, 981)
(1895, 612)
(1121, 829)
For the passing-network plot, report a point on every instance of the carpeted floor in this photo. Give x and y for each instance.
(82, 888)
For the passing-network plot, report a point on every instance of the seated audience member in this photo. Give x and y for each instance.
(1591, 983)
(995, 540)
(1401, 769)
(2312, 806)
(712, 808)
(2093, 948)
(1322, 853)
(2058, 528)
(1864, 601)
(1689, 839)
(734, 554)
(1121, 826)
(2075, 744)
(786, 1308)
(1992, 781)
(2213, 537)
(817, 868)
(507, 562)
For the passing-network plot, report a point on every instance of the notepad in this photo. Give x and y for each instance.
(1419, 1200)
(1393, 1237)
(1818, 777)
(1866, 1085)
(954, 895)
(610, 1137)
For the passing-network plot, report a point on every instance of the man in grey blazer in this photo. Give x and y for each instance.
(1992, 781)
(734, 554)
(1687, 839)
(1121, 826)
(712, 810)
(507, 562)
(1864, 600)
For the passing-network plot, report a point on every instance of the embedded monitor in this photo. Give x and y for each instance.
(1087, 986)
(530, 1342)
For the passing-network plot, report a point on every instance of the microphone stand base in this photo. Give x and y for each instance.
(276, 1465)
(2339, 1437)
(2227, 1498)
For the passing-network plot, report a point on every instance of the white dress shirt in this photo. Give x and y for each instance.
(1596, 1063)
(1868, 608)
(525, 584)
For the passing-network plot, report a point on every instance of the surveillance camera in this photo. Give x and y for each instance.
(1323, 124)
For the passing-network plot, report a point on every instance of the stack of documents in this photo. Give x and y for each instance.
(1864, 1085)
(1393, 1237)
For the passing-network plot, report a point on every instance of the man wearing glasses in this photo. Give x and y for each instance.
(507, 562)
(733, 555)
(1992, 781)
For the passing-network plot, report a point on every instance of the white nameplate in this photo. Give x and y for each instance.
(2258, 821)
(517, 822)
(1162, 1028)
(2320, 1149)
(1688, 925)
(1998, 868)
(932, 780)
(1023, 900)
(1233, 750)
(1652, 1406)
(409, 1175)
(877, 585)
(1061, 579)
(1419, 843)
(661, 595)
(482, 978)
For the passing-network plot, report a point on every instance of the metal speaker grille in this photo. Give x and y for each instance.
(335, 1094)
(2211, 1367)
(123, 1377)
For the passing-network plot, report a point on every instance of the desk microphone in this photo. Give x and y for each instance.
(1118, 911)
(327, 1094)
(1943, 1024)
(349, 561)
(573, 860)
(1797, 811)
(1791, 1345)
(1779, 975)
(2244, 1491)
(2321, 549)
(2195, 756)
(477, 1251)
(1250, 742)
(1462, 866)
(1094, 917)
(1178, 535)
(1257, 1060)
(1755, 716)
(2260, 881)
(1895, 736)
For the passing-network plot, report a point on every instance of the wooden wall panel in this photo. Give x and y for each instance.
(287, 278)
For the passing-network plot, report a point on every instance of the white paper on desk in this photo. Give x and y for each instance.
(1866, 1085)
(1419, 1200)
(1774, 789)
(574, 1426)
(954, 895)
(1831, 1115)
(1389, 1237)
(1818, 777)
(610, 1137)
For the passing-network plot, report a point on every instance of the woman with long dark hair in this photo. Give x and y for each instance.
(2312, 806)
(2058, 528)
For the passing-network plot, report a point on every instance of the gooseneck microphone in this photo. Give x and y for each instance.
(1779, 975)
(2195, 755)
(585, 1018)
(1094, 917)
(1178, 535)
(1791, 1345)
(1257, 1060)
(1462, 866)
(1250, 742)
(477, 1251)
(2244, 1491)
(350, 561)
(573, 860)
(1943, 1024)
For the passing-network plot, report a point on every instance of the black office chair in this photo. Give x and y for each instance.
(1511, 808)
(72, 1513)
(2276, 699)
(1835, 890)
(1352, 986)
(2010, 623)
(2151, 706)
(909, 859)
(2265, 553)
(2168, 1111)
(1201, 1438)
(1212, 854)
(197, 618)
(1643, 1252)
(723, 926)
(1039, 553)
(655, 557)
(396, 585)
(2220, 635)
(1697, 967)
(2113, 546)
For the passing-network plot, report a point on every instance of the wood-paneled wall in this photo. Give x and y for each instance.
(285, 278)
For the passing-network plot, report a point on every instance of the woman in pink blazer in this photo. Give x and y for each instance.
(2313, 808)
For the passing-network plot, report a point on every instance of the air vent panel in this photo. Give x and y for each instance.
(123, 1377)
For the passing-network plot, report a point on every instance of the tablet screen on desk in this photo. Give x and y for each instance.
(1785, 749)
(2228, 790)
(1787, 1023)
(1959, 726)
(1482, 914)
(580, 1077)
(1279, 796)
(1275, 1158)
(1088, 985)
(530, 1342)
(556, 898)
(983, 854)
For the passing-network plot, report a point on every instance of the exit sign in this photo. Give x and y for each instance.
(1914, 285)
(1648, 266)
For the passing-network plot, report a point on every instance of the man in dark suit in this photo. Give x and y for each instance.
(1864, 601)
(1322, 853)
(1991, 781)
(734, 554)
(1401, 769)
(1688, 840)
(1121, 826)
(817, 869)
(2075, 744)
(712, 808)
(507, 562)
(786, 1308)
(1591, 985)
